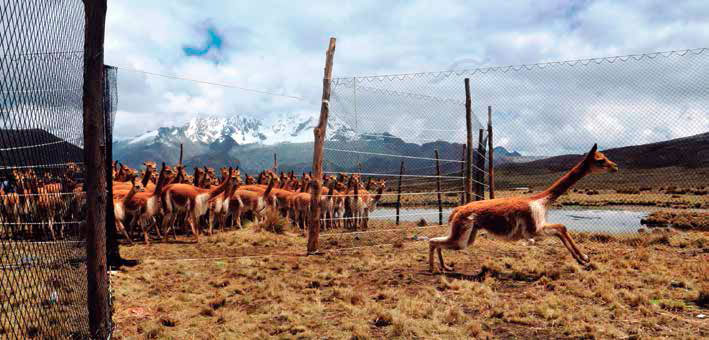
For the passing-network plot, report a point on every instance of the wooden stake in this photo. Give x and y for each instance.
(319, 134)
(398, 192)
(469, 141)
(490, 151)
(113, 255)
(180, 163)
(275, 163)
(94, 161)
(438, 188)
(462, 174)
(480, 179)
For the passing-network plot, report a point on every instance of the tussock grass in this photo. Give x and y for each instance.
(651, 287)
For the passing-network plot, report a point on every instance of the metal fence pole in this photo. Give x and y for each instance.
(438, 187)
(398, 193)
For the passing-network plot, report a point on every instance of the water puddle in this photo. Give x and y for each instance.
(587, 219)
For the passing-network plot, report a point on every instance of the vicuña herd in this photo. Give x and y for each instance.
(168, 200)
(171, 199)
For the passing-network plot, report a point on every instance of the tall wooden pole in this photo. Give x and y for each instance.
(438, 188)
(398, 192)
(469, 141)
(113, 255)
(462, 174)
(490, 163)
(480, 166)
(319, 133)
(94, 156)
(181, 149)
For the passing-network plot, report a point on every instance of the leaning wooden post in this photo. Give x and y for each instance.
(438, 188)
(398, 192)
(490, 163)
(462, 174)
(95, 181)
(319, 133)
(180, 162)
(469, 141)
(480, 166)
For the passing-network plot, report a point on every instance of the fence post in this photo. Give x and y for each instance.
(398, 192)
(462, 175)
(490, 151)
(179, 163)
(93, 107)
(438, 188)
(480, 167)
(113, 255)
(469, 142)
(319, 133)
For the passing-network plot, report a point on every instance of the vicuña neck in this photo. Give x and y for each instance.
(565, 182)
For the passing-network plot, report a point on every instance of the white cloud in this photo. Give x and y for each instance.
(279, 47)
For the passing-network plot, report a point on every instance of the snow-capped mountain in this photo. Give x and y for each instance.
(251, 144)
(242, 130)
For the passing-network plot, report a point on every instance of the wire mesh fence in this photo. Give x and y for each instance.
(43, 279)
(648, 113)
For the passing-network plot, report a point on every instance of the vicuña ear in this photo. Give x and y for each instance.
(592, 153)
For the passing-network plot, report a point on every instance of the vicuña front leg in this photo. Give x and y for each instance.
(559, 230)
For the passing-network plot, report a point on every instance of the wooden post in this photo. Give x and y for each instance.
(462, 174)
(398, 192)
(469, 141)
(319, 134)
(490, 150)
(438, 188)
(480, 192)
(95, 181)
(180, 163)
(275, 163)
(113, 255)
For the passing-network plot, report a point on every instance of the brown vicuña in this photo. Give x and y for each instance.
(517, 218)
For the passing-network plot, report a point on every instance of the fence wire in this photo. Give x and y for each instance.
(648, 113)
(43, 279)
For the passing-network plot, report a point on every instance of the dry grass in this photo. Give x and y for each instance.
(651, 285)
(42, 290)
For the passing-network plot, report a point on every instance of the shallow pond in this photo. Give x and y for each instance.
(606, 219)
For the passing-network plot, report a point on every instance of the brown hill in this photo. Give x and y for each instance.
(687, 152)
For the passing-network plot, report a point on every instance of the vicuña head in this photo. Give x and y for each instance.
(598, 162)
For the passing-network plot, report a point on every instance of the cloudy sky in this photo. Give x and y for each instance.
(278, 47)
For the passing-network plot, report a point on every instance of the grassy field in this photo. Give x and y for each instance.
(651, 285)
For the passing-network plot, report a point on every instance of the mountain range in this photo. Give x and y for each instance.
(251, 144)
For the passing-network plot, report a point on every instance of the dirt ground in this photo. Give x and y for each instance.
(652, 285)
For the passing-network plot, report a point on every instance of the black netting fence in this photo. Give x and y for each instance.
(648, 113)
(43, 279)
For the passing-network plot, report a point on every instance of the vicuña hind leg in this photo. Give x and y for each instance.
(462, 235)
(559, 230)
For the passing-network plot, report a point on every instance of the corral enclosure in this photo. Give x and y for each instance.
(646, 112)
(408, 134)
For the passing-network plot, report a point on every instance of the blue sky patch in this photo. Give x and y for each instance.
(213, 41)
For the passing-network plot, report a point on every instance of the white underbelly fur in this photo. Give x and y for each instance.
(200, 205)
(538, 209)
